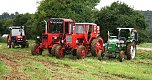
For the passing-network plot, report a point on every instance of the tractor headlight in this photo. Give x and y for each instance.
(54, 37)
(62, 41)
(77, 41)
(38, 37)
(118, 45)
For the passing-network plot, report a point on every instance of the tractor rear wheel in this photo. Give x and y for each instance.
(81, 52)
(121, 56)
(52, 51)
(12, 45)
(59, 53)
(35, 50)
(97, 47)
(131, 51)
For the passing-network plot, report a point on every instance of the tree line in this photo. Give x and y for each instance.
(118, 14)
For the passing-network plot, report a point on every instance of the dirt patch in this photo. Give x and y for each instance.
(141, 62)
(124, 76)
(103, 77)
(44, 62)
(14, 65)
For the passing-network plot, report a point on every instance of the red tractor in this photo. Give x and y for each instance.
(53, 37)
(17, 37)
(82, 39)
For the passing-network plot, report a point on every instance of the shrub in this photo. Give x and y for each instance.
(3, 40)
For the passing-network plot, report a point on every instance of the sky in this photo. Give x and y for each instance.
(30, 6)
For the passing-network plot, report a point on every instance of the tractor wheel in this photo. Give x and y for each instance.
(12, 45)
(9, 45)
(23, 46)
(52, 51)
(99, 55)
(27, 44)
(97, 47)
(59, 53)
(121, 56)
(81, 52)
(131, 51)
(35, 50)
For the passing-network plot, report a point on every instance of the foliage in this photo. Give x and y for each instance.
(6, 15)
(25, 20)
(148, 15)
(78, 10)
(3, 40)
(120, 15)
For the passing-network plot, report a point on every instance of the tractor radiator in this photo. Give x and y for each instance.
(69, 39)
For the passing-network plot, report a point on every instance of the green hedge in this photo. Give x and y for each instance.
(3, 40)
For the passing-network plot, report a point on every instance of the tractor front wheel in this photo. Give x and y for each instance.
(9, 45)
(36, 50)
(131, 51)
(12, 45)
(121, 56)
(59, 52)
(52, 51)
(97, 47)
(81, 52)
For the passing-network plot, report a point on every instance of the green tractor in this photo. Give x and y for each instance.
(122, 46)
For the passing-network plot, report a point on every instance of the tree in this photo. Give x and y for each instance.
(25, 20)
(120, 15)
(79, 10)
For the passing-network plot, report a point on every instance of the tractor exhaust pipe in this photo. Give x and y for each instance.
(45, 26)
(108, 35)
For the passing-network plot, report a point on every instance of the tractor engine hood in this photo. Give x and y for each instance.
(113, 41)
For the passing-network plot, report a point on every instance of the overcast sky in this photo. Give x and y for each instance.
(24, 6)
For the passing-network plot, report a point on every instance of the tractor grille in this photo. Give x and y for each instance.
(69, 39)
(45, 37)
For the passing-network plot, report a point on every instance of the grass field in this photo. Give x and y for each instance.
(19, 64)
(147, 45)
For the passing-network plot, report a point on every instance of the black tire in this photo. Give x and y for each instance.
(121, 56)
(131, 51)
(99, 55)
(9, 45)
(12, 45)
(59, 53)
(23, 46)
(93, 47)
(52, 51)
(79, 52)
(33, 51)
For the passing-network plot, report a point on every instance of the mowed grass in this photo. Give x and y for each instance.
(44, 67)
(145, 45)
(4, 70)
